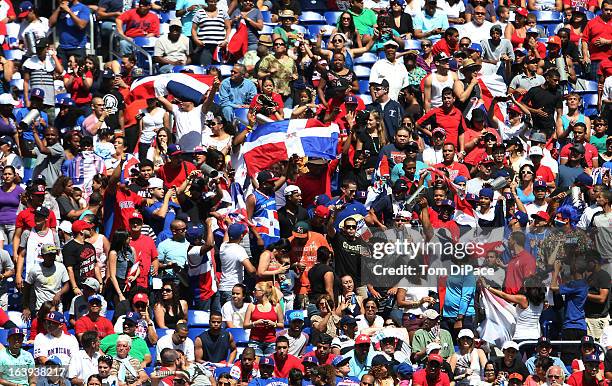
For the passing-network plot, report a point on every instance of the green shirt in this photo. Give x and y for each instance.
(16, 370)
(423, 337)
(139, 347)
(364, 21)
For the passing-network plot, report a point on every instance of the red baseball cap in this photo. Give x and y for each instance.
(80, 226)
(136, 215)
(521, 11)
(554, 40)
(322, 211)
(140, 298)
(363, 339)
(541, 214)
(435, 358)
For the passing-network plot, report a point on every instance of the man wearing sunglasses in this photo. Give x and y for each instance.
(389, 109)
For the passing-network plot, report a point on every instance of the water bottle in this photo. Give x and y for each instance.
(560, 63)
(30, 42)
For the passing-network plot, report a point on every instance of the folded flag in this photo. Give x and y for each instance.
(180, 85)
(277, 141)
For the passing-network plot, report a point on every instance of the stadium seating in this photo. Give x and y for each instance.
(332, 17)
(241, 336)
(190, 68)
(311, 18)
(362, 72)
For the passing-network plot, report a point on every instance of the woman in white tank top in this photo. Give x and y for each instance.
(468, 362)
(102, 247)
(529, 304)
(437, 87)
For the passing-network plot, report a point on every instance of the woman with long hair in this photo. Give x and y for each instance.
(219, 138)
(158, 152)
(69, 207)
(516, 31)
(400, 20)
(10, 198)
(340, 43)
(92, 64)
(523, 188)
(335, 76)
(120, 145)
(467, 89)
(411, 100)
(268, 102)
(490, 375)
(234, 311)
(538, 378)
(269, 266)
(374, 136)
(326, 321)
(210, 30)
(381, 372)
(99, 242)
(529, 303)
(121, 258)
(346, 26)
(348, 296)
(169, 309)
(78, 81)
(263, 317)
(468, 362)
(38, 323)
(154, 117)
(425, 60)
(576, 25)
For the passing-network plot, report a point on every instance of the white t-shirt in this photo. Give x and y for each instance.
(189, 127)
(232, 272)
(233, 314)
(82, 366)
(476, 33)
(452, 11)
(65, 347)
(152, 123)
(362, 323)
(40, 28)
(47, 281)
(32, 242)
(166, 342)
(432, 156)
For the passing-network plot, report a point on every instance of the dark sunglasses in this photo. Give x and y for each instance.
(279, 44)
(350, 227)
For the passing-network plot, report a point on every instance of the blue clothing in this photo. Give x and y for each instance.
(575, 296)
(427, 23)
(233, 95)
(566, 121)
(459, 299)
(173, 251)
(349, 209)
(161, 225)
(380, 42)
(525, 199)
(187, 18)
(533, 241)
(530, 364)
(28, 135)
(566, 176)
(347, 381)
(398, 171)
(348, 59)
(358, 369)
(266, 218)
(71, 36)
(287, 284)
(269, 382)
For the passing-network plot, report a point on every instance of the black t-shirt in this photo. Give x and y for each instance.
(348, 256)
(65, 206)
(317, 284)
(142, 191)
(113, 102)
(82, 259)
(287, 220)
(539, 97)
(405, 24)
(196, 210)
(571, 50)
(597, 280)
(517, 367)
(608, 362)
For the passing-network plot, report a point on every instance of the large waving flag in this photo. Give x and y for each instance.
(277, 141)
(193, 85)
(493, 86)
(500, 322)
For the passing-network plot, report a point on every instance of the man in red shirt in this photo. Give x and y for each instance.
(138, 22)
(93, 321)
(449, 42)
(598, 34)
(521, 266)
(543, 173)
(25, 218)
(283, 361)
(146, 252)
(431, 374)
(590, 375)
(591, 155)
(323, 352)
(454, 168)
(175, 171)
(447, 117)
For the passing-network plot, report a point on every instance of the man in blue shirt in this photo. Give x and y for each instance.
(236, 92)
(162, 212)
(71, 18)
(173, 255)
(575, 292)
(430, 23)
(343, 369)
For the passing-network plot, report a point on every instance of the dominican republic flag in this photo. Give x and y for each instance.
(500, 322)
(493, 86)
(202, 273)
(268, 227)
(186, 86)
(236, 212)
(380, 182)
(130, 165)
(277, 141)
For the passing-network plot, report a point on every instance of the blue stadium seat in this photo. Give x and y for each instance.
(59, 97)
(164, 17)
(299, 29)
(109, 314)
(221, 370)
(241, 336)
(362, 72)
(366, 98)
(364, 86)
(242, 114)
(145, 41)
(13, 54)
(3, 336)
(366, 58)
(153, 352)
(548, 17)
(412, 45)
(266, 30)
(226, 69)
(587, 87)
(198, 318)
(190, 68)
(309, 17)
(267, 16)
(162, 332)
(589, 100)
(195, 332)
(313, 30)
(332, 17)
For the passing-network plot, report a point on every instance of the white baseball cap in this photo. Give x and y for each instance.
(432, 346)
(510, 344)
(155, 183)
(465, 333)
(536, 150)
(290, 189)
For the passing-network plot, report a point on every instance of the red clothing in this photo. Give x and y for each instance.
(455, 169)
(590, 153)
(597, 28)
(453, 123)
(175, 176)
(520, 267)
(103, 326)
(340, 120)
(451, 225)
(137, 26)
(577, 379)
(578, 365)
(580, 3)
(10, 12)
(262, 333)
(276, 97)
(35, 329)
(322, 361)
(313, 186)
(125, 202)
(479, 151)
(420, 378)
(605, 68)
(541, 50)
(145, 254)
(442, 46)
(237, 371)
(25, 219)
(281, 368)
(78, 92)
(545, 174)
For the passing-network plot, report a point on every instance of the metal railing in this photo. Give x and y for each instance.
(137, 50)
(534, 343)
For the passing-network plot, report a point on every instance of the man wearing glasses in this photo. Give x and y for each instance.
(555, 376)
(479, 28)
(173, 253)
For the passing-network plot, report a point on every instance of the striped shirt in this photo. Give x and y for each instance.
(41, 76)
(211, 30)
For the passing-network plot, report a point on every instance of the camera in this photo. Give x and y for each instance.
(361, 119)
(267, 106)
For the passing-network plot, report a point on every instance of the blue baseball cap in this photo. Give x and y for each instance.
(15, 331)
(234, 231)
(54, 360)
(475, 47)
(310, 359)
(340, 361)
(403, 370)
(94, 297)
(66, 102)
(174, 149)
(539, 184)
(502, 173)
(296, 315)
(347, 320)
(522, 217)
(133, 317)
(56, 317)
(509, 196)
(471, 197)
(590, 358)
(24, 9)
(37, 93)
(486, 192)
(266, 361)
(459, 179)
(450, 203)
(108, 74)
(351, 99)
(194, 232)
(533, 31)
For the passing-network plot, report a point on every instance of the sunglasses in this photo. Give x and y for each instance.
(279, 44)
(337, 41)
(526, 172)
(350, 227)
(166, 290)
(480, 13)
(464, 45)
(425, 45)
